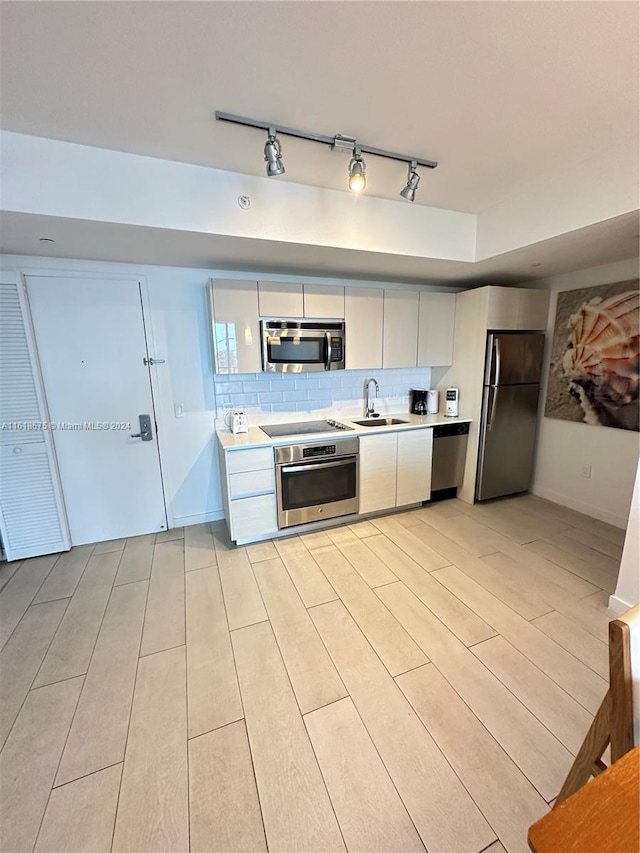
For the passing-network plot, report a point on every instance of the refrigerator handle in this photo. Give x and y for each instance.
(492, 408)
(496, 342)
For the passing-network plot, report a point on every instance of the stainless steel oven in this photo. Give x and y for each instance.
(316, 481)
(299, 346)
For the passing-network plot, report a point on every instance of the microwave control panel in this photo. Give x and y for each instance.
(336, 349)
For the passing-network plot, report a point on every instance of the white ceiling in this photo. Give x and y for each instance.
(500, 93)
(606, 242)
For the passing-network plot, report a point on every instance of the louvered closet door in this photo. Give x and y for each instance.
(32, 517)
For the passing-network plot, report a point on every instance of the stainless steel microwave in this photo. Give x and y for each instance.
(300, 346)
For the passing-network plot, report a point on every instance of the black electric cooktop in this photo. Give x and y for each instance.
(303, 428)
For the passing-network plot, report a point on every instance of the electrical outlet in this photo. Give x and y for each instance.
(586, 471)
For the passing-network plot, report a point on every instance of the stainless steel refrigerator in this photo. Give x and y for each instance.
(508, 425)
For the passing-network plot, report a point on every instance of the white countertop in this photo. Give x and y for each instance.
(257, 438)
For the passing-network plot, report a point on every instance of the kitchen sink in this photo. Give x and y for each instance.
(380, 422)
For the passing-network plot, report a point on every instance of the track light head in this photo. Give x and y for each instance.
(413, 179)
(273, 154)
(357, 172)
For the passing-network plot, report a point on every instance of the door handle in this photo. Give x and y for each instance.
(145, 428)
(492, 414)
(151, 361)
(496, 380)
(327, 365)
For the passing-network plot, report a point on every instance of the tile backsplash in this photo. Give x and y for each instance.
(336, 391)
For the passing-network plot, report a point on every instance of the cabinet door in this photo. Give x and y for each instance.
(533, 310)
(236, 330)
(280, 299)
(378, 463)
(363, 310)
(435, 331)
(32, 512)
(324, 302)
(253, 517)
(414, 466)
(504, 308)
(400, 343)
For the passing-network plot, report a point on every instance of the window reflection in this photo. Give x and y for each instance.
(227, 347)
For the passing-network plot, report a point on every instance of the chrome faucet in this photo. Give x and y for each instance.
(368, 408)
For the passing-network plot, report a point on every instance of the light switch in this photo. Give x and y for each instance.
(179, 410)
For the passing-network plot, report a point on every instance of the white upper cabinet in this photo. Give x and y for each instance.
(517, 308)
(533, 311)
(280, 299)
(504, 308)
(236, 330)
(435, 331)
(400, 338)
(363, 311)
(323, 302)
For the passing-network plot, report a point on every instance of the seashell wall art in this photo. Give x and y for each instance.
(595, 357)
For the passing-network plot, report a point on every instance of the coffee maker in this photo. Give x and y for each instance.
(418, 401)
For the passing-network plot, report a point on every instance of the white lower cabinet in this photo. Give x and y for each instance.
(378, 467)
(253, 517)
(395, 469)
(249, 487)
(413, 483)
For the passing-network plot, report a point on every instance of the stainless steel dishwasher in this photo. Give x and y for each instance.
(449, 452)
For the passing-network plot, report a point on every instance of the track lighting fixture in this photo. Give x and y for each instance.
(413, 179)
(357, 166)
(273, 154)
(357, 172)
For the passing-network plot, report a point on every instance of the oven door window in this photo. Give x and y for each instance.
(296, 350)
(318, 483)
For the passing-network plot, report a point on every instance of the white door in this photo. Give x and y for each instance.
(91, 344)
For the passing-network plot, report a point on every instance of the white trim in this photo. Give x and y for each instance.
(580, 506)
(200, 518)
(619, 605)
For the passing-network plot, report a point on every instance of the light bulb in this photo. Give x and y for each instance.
(357, 172)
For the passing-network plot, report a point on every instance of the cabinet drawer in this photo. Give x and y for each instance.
(252, 482)
(253, 517)
(256, 459)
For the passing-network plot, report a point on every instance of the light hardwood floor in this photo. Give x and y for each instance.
(417, 681)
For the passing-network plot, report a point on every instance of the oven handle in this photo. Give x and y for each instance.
(293, 469)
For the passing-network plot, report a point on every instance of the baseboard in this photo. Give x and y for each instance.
(580, 506)
(199, 518)
(619, 605)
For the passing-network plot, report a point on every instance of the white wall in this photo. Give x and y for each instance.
(565, 447)
(575, 196)
(627, 592)
(179, 331)
(53, 178)
(49, 177)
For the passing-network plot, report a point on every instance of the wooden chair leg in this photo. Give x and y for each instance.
(621, 689)
(590, 752)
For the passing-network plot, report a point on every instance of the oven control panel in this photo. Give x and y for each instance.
(322, 450)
